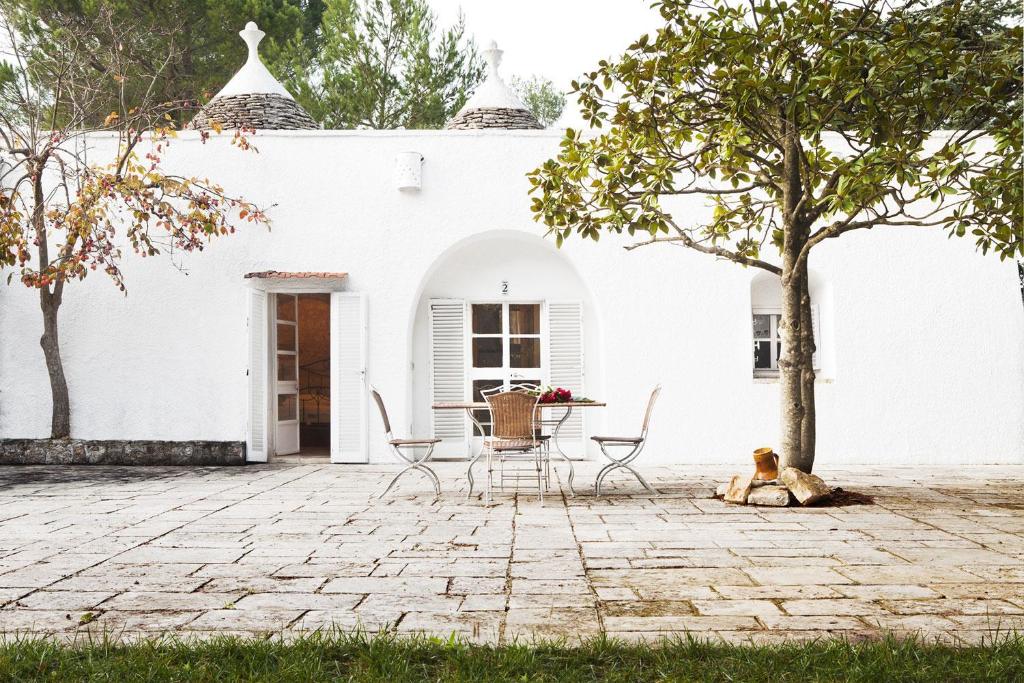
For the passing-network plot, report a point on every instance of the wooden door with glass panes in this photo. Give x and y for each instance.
(505, 349)
(286, 380)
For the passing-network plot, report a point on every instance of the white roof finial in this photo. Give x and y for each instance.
(493, 93)
(493, 56)
(253, 77)
(252, 35)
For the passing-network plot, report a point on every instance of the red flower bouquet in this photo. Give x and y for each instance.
(557, 395)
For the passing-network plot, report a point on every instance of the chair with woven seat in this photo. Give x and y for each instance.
(634, 443)
(514, 432)
(397, 446)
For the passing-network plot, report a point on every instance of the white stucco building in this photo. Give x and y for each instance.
(410, 260)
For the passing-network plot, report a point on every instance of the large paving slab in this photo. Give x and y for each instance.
(264, 550)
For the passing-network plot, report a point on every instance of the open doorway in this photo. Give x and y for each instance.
(302, 377)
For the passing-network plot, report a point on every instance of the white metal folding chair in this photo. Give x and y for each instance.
(634, 443)
(397, 446)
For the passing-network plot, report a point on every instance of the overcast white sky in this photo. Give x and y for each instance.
(559, 39)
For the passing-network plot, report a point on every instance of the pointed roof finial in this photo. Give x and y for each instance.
(493, 56)
(494, 104)
(253, 77)
(252, 35)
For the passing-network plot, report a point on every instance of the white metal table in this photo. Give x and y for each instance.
(567, 406)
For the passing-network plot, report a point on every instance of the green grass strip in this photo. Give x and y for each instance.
(359, 657)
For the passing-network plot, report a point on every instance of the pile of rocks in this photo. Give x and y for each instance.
(494, 117)
(264, 111)
(792, 487)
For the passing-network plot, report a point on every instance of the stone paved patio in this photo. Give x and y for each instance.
(286, 549)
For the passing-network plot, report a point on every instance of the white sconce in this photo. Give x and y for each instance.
(408, 170)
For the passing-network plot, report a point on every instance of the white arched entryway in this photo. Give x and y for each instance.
(501, 306)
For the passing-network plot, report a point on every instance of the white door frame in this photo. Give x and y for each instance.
(270, 335)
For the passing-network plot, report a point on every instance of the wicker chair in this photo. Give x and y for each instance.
(514, 432)
(397, 446)
(634, 443)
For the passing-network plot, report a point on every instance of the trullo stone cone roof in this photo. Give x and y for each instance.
(253, 98)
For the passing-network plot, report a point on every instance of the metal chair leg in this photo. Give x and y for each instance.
(415, 464)
(469, 468)
(433, 477)
(397, 477)
(623, 463)
(490, 476)
(600, 476)
(537, 457)
(641, 479)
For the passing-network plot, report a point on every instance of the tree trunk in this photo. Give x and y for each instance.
(791, 401)
(49, 302)
(807, 347)
(796, 372)
(60, 416)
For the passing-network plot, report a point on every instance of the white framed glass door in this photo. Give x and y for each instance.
(505, 349)
(286, 379)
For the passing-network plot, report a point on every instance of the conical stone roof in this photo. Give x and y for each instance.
(494, 105)
(253, 98)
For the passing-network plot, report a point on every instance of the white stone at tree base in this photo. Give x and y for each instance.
(806, 488)
(771, 496)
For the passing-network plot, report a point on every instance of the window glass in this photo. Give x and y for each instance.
(487, 352)
(762, 355)
(767, 341)
(286, 307)
(524, 318)
(762, 326)
(286, 407)
(486, 318)
(524, 352)
(484, 416)
(285, 367)
(286, 337)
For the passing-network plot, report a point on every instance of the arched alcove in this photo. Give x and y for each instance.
(520, 281)
(765, 309)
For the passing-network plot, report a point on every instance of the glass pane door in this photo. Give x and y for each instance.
(286, 403)
(505, 349)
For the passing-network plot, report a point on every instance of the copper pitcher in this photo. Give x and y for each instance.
(767, 464)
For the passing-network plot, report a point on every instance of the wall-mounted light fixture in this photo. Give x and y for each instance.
(408, 170)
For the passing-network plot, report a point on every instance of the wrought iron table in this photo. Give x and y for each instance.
(470, 406)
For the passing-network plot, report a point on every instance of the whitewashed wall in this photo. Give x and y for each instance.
(925, 337)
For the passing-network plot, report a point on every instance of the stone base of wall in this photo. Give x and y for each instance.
(81, 452)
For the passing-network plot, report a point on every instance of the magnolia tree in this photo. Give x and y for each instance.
(73, 191)
(796, 123)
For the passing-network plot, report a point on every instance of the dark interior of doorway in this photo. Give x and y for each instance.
(315, 373)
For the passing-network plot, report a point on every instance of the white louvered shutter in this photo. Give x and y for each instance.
(256, 433)
(448, 374)
(565, 364)
(816, 331)
(348, 378)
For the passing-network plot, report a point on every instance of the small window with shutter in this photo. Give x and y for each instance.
(768, 340)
